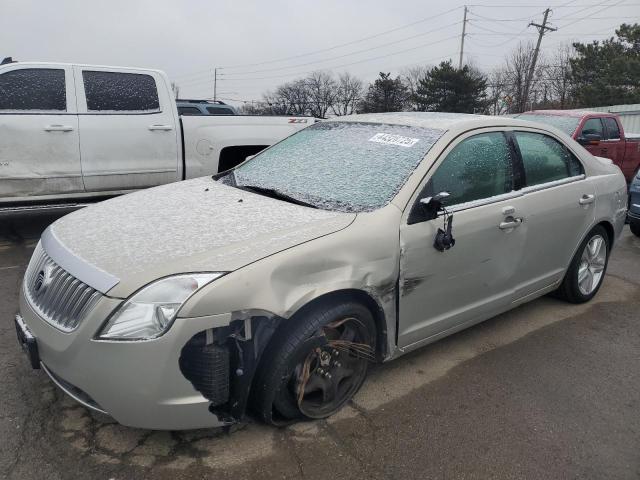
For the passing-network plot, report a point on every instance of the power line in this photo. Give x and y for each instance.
(347, 64)
(431, 17)
(347, 54)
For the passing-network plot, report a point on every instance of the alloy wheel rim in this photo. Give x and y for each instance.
(331, 374)
(592, 264)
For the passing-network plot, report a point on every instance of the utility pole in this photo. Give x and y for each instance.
(215, 84)
(464, 29)
(542, 29)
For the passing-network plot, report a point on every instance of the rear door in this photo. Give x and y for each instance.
(613, 146)
(39, 143)
(558, 207)
(129, 135)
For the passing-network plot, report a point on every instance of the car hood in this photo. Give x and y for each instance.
(121, 244)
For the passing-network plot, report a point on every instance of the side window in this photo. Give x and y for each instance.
(115, 91)
(478, 167)
(613, 131)
(189, 111)
(593, 126)
(545, 159)
(219, 111)
(33, 89)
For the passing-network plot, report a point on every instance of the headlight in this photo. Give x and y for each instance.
(150, 312)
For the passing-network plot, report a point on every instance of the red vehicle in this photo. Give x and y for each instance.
(600, 133)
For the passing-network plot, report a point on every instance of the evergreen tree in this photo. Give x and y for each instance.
(608, 72)
(448, 89)
(386, 94)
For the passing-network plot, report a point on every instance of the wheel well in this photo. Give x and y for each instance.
(361, 297)
(233, 156)
(610, 233)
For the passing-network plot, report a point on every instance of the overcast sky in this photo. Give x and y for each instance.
(187, 39)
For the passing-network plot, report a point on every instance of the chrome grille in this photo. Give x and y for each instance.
(57, 296)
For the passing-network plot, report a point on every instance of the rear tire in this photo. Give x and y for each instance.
(634, 225)
(587, 269)
(302, 376)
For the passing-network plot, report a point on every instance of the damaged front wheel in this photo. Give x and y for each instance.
(318, 366)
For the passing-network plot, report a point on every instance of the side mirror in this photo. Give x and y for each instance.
(432, 205)
(589, 139)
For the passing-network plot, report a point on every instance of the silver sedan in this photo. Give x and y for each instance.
(268, 289)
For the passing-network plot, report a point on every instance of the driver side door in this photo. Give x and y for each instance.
(444, 291)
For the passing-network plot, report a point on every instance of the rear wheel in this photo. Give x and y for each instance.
(634, 225)
(587, 269)
(317, 366)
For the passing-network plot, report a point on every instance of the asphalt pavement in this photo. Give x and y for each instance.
(546, 391)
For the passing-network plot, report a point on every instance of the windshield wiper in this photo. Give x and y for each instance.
(273, 193)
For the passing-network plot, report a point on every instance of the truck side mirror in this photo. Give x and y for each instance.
(589, 139)
(432, 205)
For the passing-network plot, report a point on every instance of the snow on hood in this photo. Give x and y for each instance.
(195, 225)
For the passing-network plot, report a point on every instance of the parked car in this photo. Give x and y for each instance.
(72, 133)
(204, 107)
(276, 283)
(634, 206)
(600, 133)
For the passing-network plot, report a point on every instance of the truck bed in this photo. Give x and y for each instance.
(217, 143)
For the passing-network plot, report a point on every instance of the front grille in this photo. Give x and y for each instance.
(57, 296)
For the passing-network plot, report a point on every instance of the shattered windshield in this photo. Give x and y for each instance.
(342, 166)
(567, 124)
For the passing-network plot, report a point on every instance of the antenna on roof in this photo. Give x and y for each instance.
(7, 60)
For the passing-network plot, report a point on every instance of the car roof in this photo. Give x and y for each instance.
(567, 113)
(435, 120)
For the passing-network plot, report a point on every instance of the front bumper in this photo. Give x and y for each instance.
(138, 383)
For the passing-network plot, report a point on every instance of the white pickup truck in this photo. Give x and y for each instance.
(70, 134)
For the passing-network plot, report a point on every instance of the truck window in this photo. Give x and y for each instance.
(545, 159)
(189, 111)
(116, 91)
(219, 111)
(33, 89)
(613, 131)
(593, 126)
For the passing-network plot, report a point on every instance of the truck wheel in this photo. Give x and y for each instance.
(587, 269)
(317, 365)
(634, 225)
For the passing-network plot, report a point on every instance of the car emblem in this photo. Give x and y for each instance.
(43, 280)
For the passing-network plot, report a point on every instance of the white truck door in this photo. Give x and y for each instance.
(39, 144)
(129, 132)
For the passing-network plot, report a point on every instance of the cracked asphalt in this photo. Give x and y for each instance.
(548, 390)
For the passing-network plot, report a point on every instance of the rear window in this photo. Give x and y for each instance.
(342, 166)
(613, 131)
(40, 89)
(117, 92)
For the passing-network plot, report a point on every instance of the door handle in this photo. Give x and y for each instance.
(510, 223)
(160, 127)
(58, 128)
(587, 199)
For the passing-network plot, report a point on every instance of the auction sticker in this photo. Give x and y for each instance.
(392, 139)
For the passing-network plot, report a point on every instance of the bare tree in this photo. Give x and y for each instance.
(291, 98)
(348, 96)
(517, 64)
(320, 93)
(498, 92)
(411, 77)
(559, 76)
